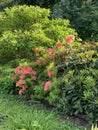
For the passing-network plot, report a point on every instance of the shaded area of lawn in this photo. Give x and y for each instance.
(16, 115)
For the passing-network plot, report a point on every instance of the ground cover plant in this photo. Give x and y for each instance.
(16, 115)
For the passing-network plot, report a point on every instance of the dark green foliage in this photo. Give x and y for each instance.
(87, 23)
(79, 84)
(6, 3)
(80, 93)
(41, 3)
(83, 16)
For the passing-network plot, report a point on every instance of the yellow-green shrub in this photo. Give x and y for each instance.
(22, 28)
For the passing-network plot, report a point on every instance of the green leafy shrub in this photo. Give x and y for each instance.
(66, 76)
(6, 82)
(23, 28)
(79, 92)
(22, 17)
(80, 83)
(46, 61)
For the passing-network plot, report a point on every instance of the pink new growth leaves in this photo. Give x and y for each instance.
(42, 59)
(22, 73)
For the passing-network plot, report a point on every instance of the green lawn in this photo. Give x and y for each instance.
(17, 115)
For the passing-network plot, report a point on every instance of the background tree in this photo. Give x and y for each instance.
(41, 3)
(83, 16)
(6, 3)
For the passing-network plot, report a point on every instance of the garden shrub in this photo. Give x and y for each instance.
(22, 28)
(79, 83)
(46, 61)
(65, 75)
(79, 92)
(22, 17)
(6, 82)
